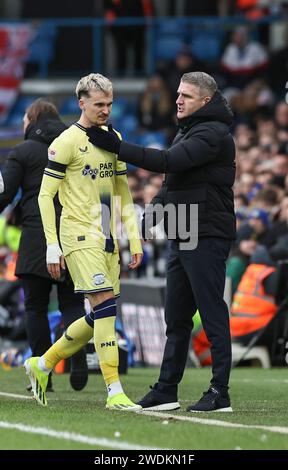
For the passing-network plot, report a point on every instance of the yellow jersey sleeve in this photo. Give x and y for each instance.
(60, 154)
(128, 214)
(121, 168)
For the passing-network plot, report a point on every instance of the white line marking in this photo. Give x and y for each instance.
(284, 381)
(71, 436)
(192, 419)
(14, 395)
(25, 397)
(216, 422)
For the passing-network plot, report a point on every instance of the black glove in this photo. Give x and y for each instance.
(106, 140)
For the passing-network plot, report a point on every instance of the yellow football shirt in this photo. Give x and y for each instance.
(91, 183)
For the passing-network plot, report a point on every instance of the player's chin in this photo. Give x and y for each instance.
(102, 121)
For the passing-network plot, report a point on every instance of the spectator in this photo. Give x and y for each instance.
(243, 59)
(128, 37)
(172, 72)
(280, 166)
(281, 116)
(155, 109)
(256, 227)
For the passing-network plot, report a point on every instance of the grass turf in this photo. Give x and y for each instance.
(259, 398)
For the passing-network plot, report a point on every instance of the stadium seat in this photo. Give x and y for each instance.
(120, 108)
(257, 353)
(171, 26)
(69, 106)
(15, 117)
(206, 45)
(168, 47)
(170, 37)
(128, 126)
(153, 139)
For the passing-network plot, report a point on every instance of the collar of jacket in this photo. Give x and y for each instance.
(45, 129)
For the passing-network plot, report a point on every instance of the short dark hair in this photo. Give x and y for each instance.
(207, 85)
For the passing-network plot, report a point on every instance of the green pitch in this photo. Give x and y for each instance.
(79, 420)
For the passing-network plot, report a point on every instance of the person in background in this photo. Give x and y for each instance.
(243, 59)
(155, 109)
(129, 37)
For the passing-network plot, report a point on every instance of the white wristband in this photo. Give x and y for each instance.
(1, 183)
(53, 254)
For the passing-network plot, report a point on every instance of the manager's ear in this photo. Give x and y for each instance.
(207, 99)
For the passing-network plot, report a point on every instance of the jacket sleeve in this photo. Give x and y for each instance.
(198, 150)
(12, 175)
(128, 214)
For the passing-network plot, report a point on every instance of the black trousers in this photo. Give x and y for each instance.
(196, 280)
(37, 291)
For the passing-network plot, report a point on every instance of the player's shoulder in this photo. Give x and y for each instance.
(71, 132)
(66, 137)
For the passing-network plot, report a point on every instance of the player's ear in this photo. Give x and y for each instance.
(82, 104)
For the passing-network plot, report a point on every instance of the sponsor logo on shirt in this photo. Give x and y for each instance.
(98, 279)
(106, 170)
(88, 171)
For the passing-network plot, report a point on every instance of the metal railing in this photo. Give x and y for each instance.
(155, 28)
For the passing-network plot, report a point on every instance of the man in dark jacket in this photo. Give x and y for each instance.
(200, 170)
(24, 169)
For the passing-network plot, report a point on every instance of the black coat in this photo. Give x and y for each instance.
(24, 169)
(199, 167)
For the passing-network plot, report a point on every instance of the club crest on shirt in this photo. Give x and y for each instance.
(52, 154)
(98, 279)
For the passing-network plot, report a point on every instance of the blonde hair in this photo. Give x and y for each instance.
(93, 81)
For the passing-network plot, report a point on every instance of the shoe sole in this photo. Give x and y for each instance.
(130, 408)
(222, 410)
(33, 383)
(164, 407)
